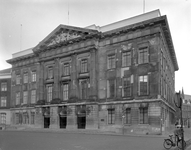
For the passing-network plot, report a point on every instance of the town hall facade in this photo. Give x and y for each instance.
(119, 76)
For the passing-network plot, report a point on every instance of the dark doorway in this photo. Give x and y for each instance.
(63, 122)
(46, 122)
(81, 122)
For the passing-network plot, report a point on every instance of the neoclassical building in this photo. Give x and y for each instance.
(5, 98)
(114, 77)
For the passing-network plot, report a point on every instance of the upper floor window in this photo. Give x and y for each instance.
(143, 85)
(4, 86)
(84, 65)
(65, 91)
(111, 61)
(18, 77)
(66, 69)
(111, 85)
(84, 88)
(49, 92)
(18, 98)
(33, 76)
(126, 59)
(126, 91)
(33, 96)
(143, 55)
(50, 72)
(25, 97)
(3, 101)
(25, 78)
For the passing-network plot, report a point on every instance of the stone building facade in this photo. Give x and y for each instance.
(117, 77)
(5, 98)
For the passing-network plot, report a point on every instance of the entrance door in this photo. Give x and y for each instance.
(46, 122)
(81, 120)
(63, 122)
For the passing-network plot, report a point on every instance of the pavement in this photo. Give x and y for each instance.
(187, 133)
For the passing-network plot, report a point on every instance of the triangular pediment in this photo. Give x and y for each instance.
(63, 33)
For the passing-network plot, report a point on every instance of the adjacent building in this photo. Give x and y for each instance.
(186, 111)
(114, 77)
(5, 97)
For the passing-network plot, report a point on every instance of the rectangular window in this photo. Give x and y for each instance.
(32, 118)
(84, 65)
(143, 85)
(143, 115)
(110, 61)
(3, 101)
(66, 69)
(18, 98)
(65, 91)
(3, 118)
(49, 93)
(126, 59)
(84, 88)
(33, 96)
(143, 55)
(128, 116)
(25, 78)
(111, 88)
(126, 91)
(111, 116)
(18, 77)
(33, 76)
(4, 86)
(50, 72)
(25, 97)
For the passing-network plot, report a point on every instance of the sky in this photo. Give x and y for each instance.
(24, 23)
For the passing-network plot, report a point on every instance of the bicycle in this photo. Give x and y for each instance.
(168, 143)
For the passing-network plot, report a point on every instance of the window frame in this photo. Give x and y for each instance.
(25, 97)
(3, 101)
(65, 91)
(111, 61)
(49, 92)
(128, 116)
(111, 116)
(126, 59)
(126, 87)
(4, 86)
(143, 115)
(140, 90)
(18, 79)
(84, 65)
(111, 93)
(33, 76)
(84, 88)
(33, 96)
(25, 77)
(66, 69)
(143, 55)
(50, 73)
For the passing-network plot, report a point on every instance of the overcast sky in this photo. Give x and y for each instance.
(40, 17)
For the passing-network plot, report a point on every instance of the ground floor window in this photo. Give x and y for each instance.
(25, 118)
(32, 117)
(111, 116)
(143, 115)
(18, 118)
(128, 116)
(3, 118)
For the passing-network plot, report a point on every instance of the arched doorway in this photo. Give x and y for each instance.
(62, 110)
(46, 113)
(81, 117)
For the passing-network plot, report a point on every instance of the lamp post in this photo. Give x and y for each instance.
(179, 105)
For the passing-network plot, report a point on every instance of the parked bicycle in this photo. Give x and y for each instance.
(173, 141)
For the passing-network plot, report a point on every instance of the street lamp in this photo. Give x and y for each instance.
(178, 104)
